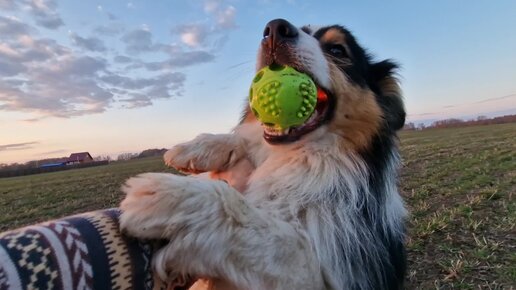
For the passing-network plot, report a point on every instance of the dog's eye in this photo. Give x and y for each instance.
(337, 50)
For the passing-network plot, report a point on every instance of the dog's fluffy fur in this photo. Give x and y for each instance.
(320, 210)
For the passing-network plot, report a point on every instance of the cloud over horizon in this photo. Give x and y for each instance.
(18, 146)
(113, 65)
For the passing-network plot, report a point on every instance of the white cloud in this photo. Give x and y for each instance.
(138, 41)
(122, 59)
(72, 85)
(8, 52)
(18, 146)
(211, 33)
(180, 60)
(89, 43)
(211, 6)
(224, 14)
(10, 68)
(45, 13)
(190, 38)
(226, 17)
(45, 78)
(113, 29)
(64, 86)
(12, 26)
(41, 76)
(8, 5)
(193, 35)
(109, 15)
(162, 87)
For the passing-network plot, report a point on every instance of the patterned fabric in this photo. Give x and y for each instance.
(80, 252)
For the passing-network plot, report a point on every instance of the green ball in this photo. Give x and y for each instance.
(282, 97)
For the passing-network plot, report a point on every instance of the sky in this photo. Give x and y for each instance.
(111, 77)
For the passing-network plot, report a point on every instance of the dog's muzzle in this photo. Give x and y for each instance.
(279, 37)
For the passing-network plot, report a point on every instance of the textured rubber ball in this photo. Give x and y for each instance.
(282, 97)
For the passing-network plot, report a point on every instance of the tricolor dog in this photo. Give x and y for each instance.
(315, 206)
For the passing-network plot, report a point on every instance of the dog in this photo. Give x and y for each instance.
(317, 205)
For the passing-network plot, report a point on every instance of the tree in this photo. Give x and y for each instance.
(126, 156)
(102, 158)
(152, 152)
(409, 126)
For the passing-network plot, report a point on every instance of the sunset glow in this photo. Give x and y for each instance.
(110, 77)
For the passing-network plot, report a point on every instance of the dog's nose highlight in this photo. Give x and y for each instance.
(278, 30)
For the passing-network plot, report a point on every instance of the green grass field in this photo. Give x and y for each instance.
(459, 185)
(35, 198)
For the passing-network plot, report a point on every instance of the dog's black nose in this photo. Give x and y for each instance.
(279, 30)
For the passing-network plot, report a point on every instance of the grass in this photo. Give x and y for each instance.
(459, 185)
(39, 197)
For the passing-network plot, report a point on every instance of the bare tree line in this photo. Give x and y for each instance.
(455, 122)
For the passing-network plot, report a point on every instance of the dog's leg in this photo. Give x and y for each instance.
(207, 152)
(214, 232)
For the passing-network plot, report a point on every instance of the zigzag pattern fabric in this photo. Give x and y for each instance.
(86, 251)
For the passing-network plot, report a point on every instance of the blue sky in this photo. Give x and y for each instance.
(122, 76)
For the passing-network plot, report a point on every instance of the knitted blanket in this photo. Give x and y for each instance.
(86, 251)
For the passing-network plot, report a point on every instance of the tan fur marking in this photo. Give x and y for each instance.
(390, 87)
(333, 36)
(357, 116)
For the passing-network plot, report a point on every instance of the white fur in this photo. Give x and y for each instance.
(286, 228)
(224, 154)
(313, 60)
(297, 224)
(214, 232)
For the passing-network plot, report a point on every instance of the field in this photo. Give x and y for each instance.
(459, 185)
(35, 198)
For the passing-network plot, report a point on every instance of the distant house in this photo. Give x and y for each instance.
(81, 157)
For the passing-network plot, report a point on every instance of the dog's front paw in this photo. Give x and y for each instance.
(158, 204)
(207, 152)
(150, 197)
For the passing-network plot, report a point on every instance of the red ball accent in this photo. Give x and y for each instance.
(321, 95)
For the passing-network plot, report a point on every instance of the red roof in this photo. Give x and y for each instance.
(81, 156)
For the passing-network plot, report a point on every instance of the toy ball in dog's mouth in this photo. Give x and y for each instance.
(284, 100)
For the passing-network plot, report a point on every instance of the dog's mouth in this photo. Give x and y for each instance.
(319, 116)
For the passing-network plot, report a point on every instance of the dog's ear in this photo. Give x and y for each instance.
(382, 78)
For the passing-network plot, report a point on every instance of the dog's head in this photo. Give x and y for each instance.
(363, 96)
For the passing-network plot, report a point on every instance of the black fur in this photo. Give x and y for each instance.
(358, 66)
(357, 69)
(392, 106)
(377, 159)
